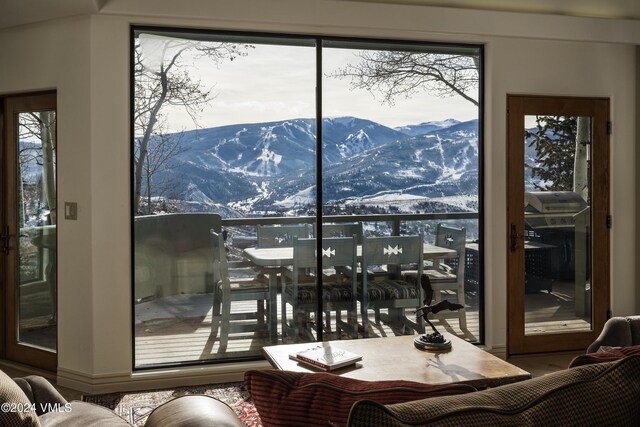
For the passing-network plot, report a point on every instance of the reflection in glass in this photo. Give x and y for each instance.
(37, 223)
(557, 224)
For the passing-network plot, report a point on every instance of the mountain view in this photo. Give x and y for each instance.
(269, 168)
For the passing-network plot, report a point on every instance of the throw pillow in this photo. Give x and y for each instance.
(285, 398)
(611, 355)
(16, 410)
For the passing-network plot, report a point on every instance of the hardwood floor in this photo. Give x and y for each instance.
(542, 364)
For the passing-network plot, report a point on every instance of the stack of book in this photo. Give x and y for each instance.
(325, 357)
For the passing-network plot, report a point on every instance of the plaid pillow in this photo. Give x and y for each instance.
(285, 398)
(611, 355)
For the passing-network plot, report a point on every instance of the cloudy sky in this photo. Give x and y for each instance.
(275, 83)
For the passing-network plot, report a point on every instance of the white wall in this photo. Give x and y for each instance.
(87, 61)
(56, 56)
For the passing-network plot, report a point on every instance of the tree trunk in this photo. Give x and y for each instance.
(48, 132)
(144, 142)
(581, 160)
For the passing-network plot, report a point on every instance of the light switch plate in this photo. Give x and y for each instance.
(71, 210)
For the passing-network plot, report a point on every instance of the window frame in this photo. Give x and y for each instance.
(319, 41)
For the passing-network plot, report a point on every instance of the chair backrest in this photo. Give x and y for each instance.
(336, 251)
(343, 230)
(398, 250)
(452, 238)
(272, 236)
(220, 267)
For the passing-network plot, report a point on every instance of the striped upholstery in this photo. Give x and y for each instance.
(611, 355)
(605, 394)
(285, 398)
(330, 293)
(385, 289)
(12, 394)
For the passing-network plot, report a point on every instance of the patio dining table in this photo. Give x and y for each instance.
(283, 256)
(270, 260)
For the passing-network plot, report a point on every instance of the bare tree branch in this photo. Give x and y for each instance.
(162, 78)
(397, 73)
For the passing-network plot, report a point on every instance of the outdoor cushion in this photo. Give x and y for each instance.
(389, 289)
(20, 412)
(330, 293)
(604, 394)
(285, 398)
(610, 355)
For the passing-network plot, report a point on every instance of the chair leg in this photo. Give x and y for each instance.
(283, 309)
(462, 313)
(226, 319)
(327, 324)
(215, 313)
(352, 321)
(260, 312)
(365, 320)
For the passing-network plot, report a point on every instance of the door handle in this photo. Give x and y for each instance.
(514, 238)
(4, 240)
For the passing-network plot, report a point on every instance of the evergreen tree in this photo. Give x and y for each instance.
(554, 141)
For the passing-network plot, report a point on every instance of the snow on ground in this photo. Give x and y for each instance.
(301, 198)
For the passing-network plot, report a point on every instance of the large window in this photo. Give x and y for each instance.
(233, 136)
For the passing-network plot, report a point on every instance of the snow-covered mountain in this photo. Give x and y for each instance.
(426, 127)
(267, 167)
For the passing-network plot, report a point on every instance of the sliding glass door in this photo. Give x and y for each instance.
(260, 138)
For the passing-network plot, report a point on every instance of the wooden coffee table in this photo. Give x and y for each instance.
(396, 358)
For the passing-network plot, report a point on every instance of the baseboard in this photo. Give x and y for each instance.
(155, 379)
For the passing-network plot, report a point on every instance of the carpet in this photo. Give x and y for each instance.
(136, 407)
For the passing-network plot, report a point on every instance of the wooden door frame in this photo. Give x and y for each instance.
(517, 107)
(28, 355)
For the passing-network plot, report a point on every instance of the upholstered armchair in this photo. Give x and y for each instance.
(618, 332)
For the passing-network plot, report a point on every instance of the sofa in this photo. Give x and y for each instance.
(605, 394)
(32, 401)
(602, 394)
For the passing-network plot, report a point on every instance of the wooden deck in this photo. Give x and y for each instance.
(177, 329)
(553, 312)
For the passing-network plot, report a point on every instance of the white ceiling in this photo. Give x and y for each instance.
(19, 12)
(613, 9)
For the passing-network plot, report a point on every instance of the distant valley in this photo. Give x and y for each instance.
(269, 168)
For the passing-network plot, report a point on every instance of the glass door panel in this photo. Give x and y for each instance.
(29, 234)
(558, 204)
(36, 212)
(557, 218)
(397, 143)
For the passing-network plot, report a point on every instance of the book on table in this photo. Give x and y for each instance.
(326, 357)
